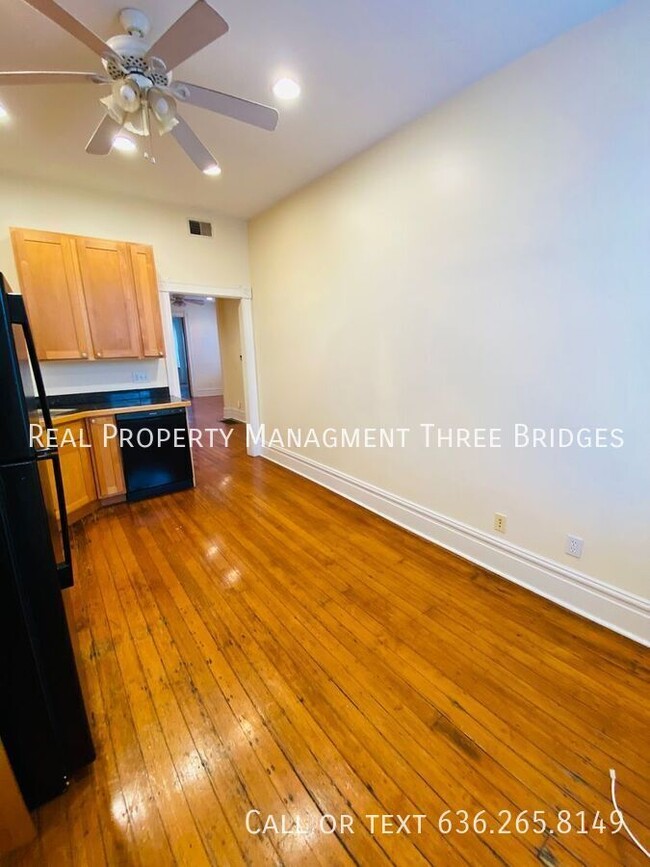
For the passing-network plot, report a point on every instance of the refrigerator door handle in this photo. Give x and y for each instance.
(18, 316)
(65, 568)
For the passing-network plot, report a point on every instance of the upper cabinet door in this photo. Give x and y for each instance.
(108, 288)
(50, 283)
(146, 290)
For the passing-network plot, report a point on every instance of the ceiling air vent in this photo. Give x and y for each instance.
(199, 228)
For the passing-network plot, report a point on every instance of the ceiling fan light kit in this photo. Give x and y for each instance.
(143, 95)
(124, 144)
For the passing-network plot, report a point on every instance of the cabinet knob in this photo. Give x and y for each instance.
(161, 352)
(84, 355)
(98, 354)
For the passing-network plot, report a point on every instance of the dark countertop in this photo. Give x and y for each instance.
(112, 399)
(68, 407)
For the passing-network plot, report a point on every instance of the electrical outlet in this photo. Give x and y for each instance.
(500, 522)
(574, 546)
(139, 376)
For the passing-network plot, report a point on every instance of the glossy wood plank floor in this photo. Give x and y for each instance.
(261, 644)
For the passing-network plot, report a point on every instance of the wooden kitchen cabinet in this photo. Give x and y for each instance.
(107, 458)
(89, 298)
(16, 826)
(92, 470)
(109, 291)
(146, 291)
(51, 285)
(77, 470)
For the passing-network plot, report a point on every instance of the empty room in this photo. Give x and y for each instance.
(324, 453)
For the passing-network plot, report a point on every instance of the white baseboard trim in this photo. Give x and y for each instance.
(616, 609)
(207, 392)
(237, 414)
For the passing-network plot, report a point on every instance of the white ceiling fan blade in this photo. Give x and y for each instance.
(193, 147)
(101, 140)
(233, 106)
(74, 27)
(51, 78)
(195, 29)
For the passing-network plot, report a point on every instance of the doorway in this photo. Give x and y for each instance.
(234, 398)
(180, 345)
(248, 363)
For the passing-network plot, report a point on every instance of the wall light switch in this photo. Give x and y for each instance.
(140, 376)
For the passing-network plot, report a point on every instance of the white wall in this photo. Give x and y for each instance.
(204, 352)
(180, 257)
(488, 264)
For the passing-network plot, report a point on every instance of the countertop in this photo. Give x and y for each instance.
(63, 415)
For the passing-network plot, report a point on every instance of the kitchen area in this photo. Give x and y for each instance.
(93, 301)
(65, 454)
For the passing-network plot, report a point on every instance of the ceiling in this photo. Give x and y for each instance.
(366, 67)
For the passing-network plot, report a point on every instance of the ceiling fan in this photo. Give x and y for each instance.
(143, 92)
(184, 300)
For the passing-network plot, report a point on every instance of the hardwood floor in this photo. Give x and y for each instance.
(259, 643)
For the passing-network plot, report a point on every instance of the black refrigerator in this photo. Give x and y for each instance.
(43, 722)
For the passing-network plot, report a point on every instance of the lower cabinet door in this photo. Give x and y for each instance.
(107, 457)
(16, 826)
(77, 469)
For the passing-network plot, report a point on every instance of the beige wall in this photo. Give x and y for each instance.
(220, 261)
(231, 362)
(487, 265)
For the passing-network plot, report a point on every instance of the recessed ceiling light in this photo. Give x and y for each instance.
(208, 298)
(124, 144)
(213, 170)
(286, 88)
(3, 113)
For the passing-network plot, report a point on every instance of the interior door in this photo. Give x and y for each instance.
(109, 291)
(146, 291)
(53, 295)
(180, 343)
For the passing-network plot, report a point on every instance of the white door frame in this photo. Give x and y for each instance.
(247, 337)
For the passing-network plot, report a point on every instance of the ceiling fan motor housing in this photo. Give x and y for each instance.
(132, 48)
(135, 22)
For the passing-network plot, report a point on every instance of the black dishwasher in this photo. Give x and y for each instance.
(156, 452)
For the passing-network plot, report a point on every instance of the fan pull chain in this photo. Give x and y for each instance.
(146, 124)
